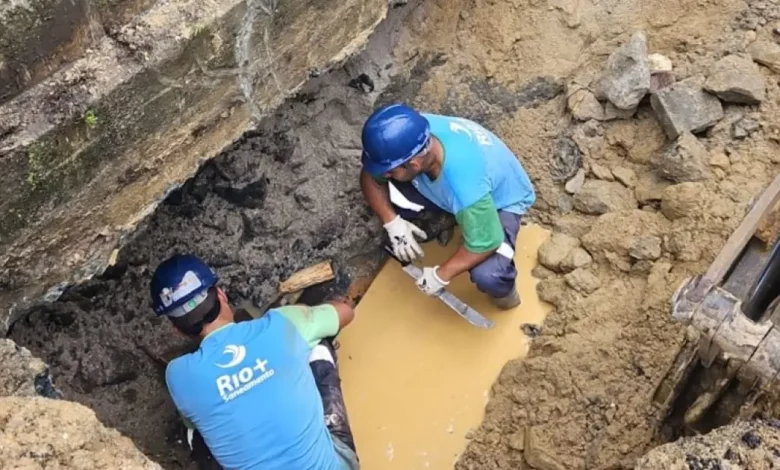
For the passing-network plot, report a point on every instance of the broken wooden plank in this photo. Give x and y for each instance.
(313, 275)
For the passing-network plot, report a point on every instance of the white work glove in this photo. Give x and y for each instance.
(430, 283)
(401, 234)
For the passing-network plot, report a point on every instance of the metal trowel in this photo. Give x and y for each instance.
(460, 307)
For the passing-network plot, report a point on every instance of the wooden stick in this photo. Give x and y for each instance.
(310, 276)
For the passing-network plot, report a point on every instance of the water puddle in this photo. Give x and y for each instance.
(416, 376)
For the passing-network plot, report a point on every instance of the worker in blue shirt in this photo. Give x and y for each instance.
(262, 394)
(455, 165)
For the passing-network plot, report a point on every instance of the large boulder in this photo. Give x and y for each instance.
(626, 79)
(736, 79)
(599, 197)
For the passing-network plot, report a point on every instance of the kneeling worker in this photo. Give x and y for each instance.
(259, 392)
(458, 166)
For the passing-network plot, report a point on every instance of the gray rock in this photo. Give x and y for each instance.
(583, 281)
(575, 184)
(627, 176)
(555, 249)
(744, 127)
(577, 258)
(650, 187)
(684, 160)
(583, 104)
(565, 203)
(682, 200)
(611, 112)
(645, 248)
(736, 79)
(599, 197)
(626, 79)
(601, 172)
(685, 106)
(766, 53)
(21, 371)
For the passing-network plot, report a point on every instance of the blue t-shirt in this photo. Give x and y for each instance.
(250, 392)
(476, 163)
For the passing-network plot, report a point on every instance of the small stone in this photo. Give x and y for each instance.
(626, 176)
(516, 441)
(583, 281)
(601, 172)
(577, 258)
(720, 160)
(575, 184)
(612, 112)
(661, 81)
(686, 107)
(565, 203)
(736, 79)
(744, 127)
(750, 36)
(683, 248)
(650, 187)
(642, 266)
(751, 439)
(683, 160)
(536, 454)
(626, 79)
(555, 249)
(682, 200)
(540, 272)
(720, 174)
(645, 248)
(583, 104)
(532, 331)
(469, 434)
(659, 63)
(766, 53)
(599, 197)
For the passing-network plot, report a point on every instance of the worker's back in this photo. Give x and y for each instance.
(250, 392)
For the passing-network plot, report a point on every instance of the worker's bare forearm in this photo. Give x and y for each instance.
(377, 196)
(462, 261)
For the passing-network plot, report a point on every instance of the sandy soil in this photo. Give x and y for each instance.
(286, 196)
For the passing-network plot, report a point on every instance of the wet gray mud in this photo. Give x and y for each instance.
(283, 197)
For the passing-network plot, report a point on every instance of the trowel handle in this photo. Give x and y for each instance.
(392, 255)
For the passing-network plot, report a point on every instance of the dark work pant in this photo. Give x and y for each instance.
(496, 275)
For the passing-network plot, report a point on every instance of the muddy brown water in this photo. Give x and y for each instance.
(416, 376)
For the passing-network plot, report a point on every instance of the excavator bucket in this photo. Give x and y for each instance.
(733, 309)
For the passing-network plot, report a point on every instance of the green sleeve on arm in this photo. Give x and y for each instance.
(313, 323)
(379, 179)
(482, 230)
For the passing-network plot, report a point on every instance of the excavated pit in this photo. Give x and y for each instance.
(285, 196)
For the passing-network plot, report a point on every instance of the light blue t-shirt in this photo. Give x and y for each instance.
(250, 392)
(476, 163)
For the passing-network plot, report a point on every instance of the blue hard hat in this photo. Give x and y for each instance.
(392, 135)
(180, 284)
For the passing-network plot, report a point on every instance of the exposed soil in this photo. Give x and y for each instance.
(286, 196)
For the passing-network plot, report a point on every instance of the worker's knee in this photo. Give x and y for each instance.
(494, 277)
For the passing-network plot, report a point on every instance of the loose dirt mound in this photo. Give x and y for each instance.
(754, 446)
(44, 434)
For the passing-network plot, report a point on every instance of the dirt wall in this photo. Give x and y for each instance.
(125, 103)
